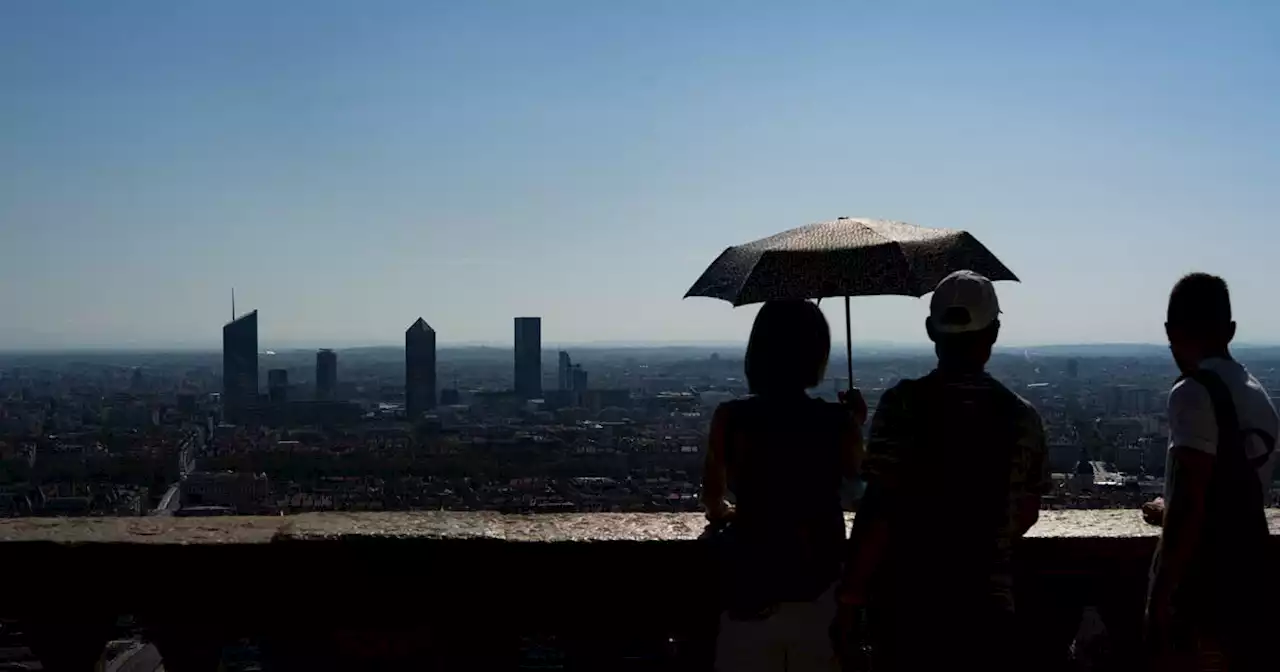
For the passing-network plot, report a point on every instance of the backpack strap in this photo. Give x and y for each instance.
(1231, 436)
(1224, 412)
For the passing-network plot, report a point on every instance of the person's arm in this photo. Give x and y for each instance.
(870, 537)
(851, 452)
(714, 475)
(851, 448)
(1193, 439)
(1034, 463)
(1184, 515)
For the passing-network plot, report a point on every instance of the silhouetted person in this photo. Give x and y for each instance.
(1212, 588)
(955, 470)
(782, 455)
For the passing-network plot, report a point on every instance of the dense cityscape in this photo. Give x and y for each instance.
(474, 428)
(498, 264)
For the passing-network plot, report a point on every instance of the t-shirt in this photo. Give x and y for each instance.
(1219, 598)
(1192, 423)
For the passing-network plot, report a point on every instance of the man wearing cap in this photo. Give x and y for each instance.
(955, 468)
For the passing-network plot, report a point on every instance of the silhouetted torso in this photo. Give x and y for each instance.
(782, 456)
(956, 450)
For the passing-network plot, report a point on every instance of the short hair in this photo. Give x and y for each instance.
(1200, 302)
(788, 349)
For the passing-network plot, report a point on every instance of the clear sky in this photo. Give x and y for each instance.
(349, 166)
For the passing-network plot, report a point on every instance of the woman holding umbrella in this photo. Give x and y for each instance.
(782, 454)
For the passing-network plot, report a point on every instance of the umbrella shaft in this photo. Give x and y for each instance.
(848, 341)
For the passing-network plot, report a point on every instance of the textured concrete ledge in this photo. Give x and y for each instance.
(448, 525)
(453, 590)
(148, 530)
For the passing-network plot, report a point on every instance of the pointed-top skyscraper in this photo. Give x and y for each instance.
(239, 366)
(419, 368)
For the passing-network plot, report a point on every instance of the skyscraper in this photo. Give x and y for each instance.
(529, 357)
(239, 366)
(564, 379)
(277, 385)
(326, 375)
(419, 369)
(136, 382)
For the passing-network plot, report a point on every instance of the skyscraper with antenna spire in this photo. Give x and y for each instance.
(239, 364)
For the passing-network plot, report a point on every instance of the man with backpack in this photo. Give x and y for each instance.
(1211, 589)
(955, 469)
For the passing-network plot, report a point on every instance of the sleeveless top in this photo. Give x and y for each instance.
(782, 457)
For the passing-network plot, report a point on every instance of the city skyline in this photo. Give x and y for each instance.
(328, 352)
(549, 348)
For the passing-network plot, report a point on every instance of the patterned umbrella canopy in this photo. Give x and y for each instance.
(845, 257)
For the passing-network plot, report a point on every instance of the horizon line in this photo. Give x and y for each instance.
(601, 344)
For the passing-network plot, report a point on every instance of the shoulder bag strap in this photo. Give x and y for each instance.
(1230, 446)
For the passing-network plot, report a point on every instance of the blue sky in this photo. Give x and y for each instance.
(349, 166)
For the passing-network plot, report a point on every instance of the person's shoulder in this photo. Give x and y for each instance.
(903, 384)
(730, 408)
(908, 385)
(1025, 409)
(1188, 393)
(1258, 410)
(1254, 387)
(1016, 400)
(1192, 420)
(831, 414)
(825, 405)
(1014, 405)
(1025, 414)
(894, 394)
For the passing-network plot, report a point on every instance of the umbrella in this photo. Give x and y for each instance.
(846, 257)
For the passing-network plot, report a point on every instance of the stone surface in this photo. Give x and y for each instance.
(542, 528)
(1108, 523)
(142, 530)
(569, 527)
(405, 525)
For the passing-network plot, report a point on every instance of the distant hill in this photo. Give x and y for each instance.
(1092, 350)
(1135, 350)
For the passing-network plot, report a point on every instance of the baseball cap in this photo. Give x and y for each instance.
(963, 302)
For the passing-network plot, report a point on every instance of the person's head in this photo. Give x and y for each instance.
(788, 349)
(964, 320)
(1198, 322)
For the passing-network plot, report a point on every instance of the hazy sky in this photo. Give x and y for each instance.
(349, 166)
